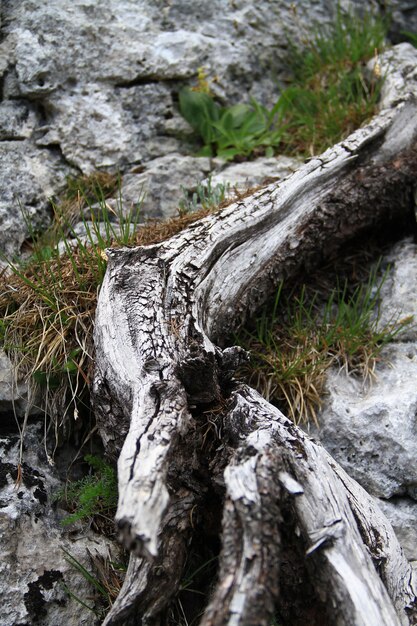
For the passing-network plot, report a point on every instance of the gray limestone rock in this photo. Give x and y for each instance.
(90, 85)
(161, 184)
(35, 575)
(14, 395)
(17, 120)
(252, 173)
(121, 42)
(36, 66)
(398, 293)
(402, 513)
(99, 126)
(371, 429)
(29, 177)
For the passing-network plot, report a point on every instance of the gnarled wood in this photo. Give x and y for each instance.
(164, 396)
(273, 456)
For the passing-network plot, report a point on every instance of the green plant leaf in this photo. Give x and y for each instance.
(205, 151)
(229, 153)
(200, 111)
(239, 114)
(85, 573)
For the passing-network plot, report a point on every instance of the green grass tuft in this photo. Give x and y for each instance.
(331, 95)
(293, 343)
(350, 40)
(48, 301)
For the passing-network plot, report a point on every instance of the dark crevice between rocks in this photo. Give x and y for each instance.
(147, 80)
(42, 113)
(55, 149)
(12, 138)
(8, 425)
(5, 20)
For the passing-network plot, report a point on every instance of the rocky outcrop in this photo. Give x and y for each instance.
(254, 173)
(89, 85)
(370, 428)
(14, 394)
(161, 182)
(38, 585)
(29, 176)
(93, 85)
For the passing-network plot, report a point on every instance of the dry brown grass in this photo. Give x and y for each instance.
(47, 329)
(48, 304)
(310, 328)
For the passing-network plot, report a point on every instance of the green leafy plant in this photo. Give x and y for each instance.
(93, 497)
(301, 336)
(231, 131)
(331, 95)
(205, 196)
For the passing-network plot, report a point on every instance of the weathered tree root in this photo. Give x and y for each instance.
(159, 375)
(275, 456)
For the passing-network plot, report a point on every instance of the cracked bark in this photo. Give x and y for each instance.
(187, 434)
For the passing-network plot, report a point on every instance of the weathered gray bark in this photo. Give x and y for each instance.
(188, 435)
